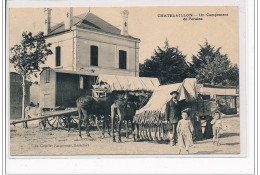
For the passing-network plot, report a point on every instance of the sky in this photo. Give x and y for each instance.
(144, 23)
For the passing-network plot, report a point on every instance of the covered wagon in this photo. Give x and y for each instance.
(153, 113)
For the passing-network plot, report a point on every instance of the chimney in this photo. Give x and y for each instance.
(125, 14)
(47, 20)
(68, 20)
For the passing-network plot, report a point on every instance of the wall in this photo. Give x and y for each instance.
(65, 41)
(75, 52)
(108, 47)
(47, 90)
(16, 95)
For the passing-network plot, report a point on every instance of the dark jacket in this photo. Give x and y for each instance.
(173, 111)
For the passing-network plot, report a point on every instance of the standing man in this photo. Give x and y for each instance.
(173, 115)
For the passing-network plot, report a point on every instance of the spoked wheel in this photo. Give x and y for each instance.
(63, 122)
(58, 122)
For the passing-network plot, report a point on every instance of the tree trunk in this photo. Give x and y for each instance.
(23, 102)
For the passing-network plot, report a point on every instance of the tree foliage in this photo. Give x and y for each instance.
(210, 66)
(167, 64)
(29, 54)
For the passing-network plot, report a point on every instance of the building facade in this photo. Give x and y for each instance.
(90, 44)
(16, 95)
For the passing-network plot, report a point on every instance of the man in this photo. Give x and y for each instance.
(173, 115)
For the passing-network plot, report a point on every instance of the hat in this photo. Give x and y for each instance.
(174, 92)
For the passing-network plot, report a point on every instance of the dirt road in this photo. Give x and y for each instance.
(35, 141)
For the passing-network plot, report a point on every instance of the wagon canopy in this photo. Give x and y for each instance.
(127, 83)
(155, 108)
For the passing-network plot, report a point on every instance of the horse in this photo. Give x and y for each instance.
(88, 105)
(124, 111)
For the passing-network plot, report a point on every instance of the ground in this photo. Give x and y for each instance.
(35, 141)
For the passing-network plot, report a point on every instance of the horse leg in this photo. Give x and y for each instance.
(113, 122)
(120, 120)
(107, 125)
(80, 117)
(119, 130)
(133, 130)
(127, 134)
(103, 127)
(86, 121)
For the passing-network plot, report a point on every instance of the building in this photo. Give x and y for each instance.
(226, 96)
(88, 43)
(16, 95)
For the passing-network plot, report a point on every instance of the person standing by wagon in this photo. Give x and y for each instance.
(173, 115)
(185, 131)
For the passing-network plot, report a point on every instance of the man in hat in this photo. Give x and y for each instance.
(173, 115)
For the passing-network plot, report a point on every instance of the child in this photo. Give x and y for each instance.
(185, 131)
(216, 126)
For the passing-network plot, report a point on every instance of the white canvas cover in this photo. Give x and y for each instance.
(155, 108)
(127, 83)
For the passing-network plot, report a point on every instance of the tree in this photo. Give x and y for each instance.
(167, 64)
(27, 56)
(233, 75)
(210, 66)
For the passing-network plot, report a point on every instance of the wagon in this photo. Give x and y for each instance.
(59, 107)
(153, 113)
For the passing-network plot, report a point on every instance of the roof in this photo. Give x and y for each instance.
(127, 83)
(88, 21)
(72, 72)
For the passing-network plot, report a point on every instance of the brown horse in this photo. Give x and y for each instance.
(88, 105)
(124, 111)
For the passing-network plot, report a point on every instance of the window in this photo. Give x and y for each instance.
(47, 76)
(81, 82)
(93, 55)
(57, 51)
(122, 59)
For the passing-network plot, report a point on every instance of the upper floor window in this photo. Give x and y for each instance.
(57, 53)
(93, 55)
(122, 59)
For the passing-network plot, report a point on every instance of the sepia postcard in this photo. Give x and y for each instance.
(161, 80)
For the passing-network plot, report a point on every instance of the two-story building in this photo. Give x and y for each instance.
(84, 47)
(90, 44)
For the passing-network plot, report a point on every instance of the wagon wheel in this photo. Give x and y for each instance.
(58, 122)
